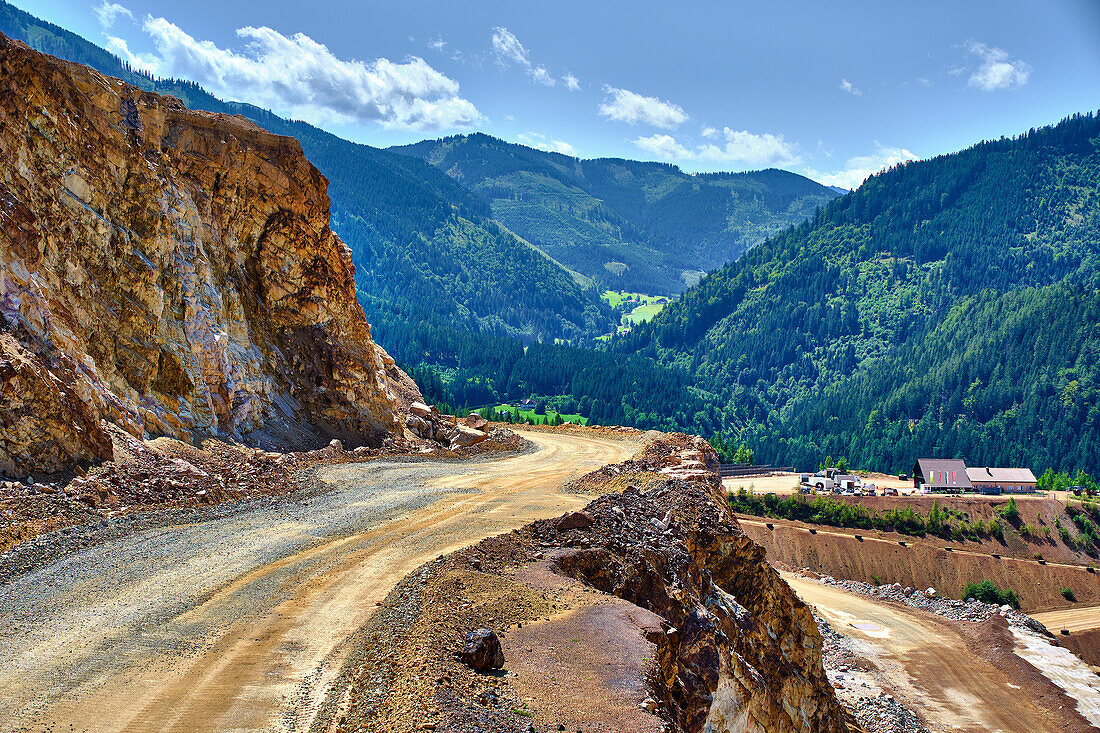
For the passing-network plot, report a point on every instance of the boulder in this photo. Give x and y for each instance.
(573, 520)
(420, 409)
(419, 425)
(463, 436)
(477, 422)
(482, 651)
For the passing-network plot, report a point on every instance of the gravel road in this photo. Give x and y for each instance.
(238, 620)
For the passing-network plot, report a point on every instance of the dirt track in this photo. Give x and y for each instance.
(1071, 619)
(239, 623)
(929, 665)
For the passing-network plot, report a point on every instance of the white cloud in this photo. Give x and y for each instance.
(108, 13)
(508, 50)
(741, 147)
(298, 77)
(571, 82)
(140, 61)
(996, 70)
(924, 82)
(540, 75)
(848, 87)
(538, 141)
(623, 105)
(751, 149)
(709, 132)
(859, 168)
(664, 146)
(437, 44)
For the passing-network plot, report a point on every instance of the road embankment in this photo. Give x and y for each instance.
(874, 557)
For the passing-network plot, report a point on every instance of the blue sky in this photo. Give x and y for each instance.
(831, 90)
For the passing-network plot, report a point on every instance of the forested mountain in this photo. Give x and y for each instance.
(645, 227)
(947, 307)
(426, 250)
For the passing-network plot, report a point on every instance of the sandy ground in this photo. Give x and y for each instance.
(927, 664)
(1070, 619)
(240, 623)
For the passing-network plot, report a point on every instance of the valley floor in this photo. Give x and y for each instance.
(239, 622)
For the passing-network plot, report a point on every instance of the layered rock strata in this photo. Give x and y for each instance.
(171, 272)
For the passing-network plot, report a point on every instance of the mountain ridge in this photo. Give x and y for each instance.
(832, 338)
(633, 225)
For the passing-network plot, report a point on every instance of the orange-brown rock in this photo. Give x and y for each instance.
(172, 272)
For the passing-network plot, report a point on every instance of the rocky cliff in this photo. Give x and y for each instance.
(170, 271)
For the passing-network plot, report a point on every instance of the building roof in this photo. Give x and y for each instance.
(991, 475)
(845, 477)
(949, 472)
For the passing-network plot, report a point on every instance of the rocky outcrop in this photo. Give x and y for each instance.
(171, 272)
(737, 650)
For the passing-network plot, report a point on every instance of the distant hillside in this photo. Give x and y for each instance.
(426, 250)
(630, 225)
(947, 307)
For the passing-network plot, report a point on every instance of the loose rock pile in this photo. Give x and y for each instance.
(972, 610)
(143, 476)
(679, 456)
(425, 421)
(876, 710)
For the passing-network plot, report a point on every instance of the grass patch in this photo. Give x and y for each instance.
(530, 417)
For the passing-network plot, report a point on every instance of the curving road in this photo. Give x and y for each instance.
(239, 623)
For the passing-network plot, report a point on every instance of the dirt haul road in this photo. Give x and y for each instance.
(1073, 620)
(239, 623)
(927, 664)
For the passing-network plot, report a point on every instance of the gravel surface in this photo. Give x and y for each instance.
(98, 585)
(859, 689)
(238, 615)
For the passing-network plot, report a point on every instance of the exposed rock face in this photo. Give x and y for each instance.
(738, 652)
(171, 272)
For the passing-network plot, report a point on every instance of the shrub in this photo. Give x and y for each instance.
(987, 591)
(1010, 511)
(1027, 530)
(1068, 594)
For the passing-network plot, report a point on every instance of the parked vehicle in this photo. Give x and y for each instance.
(889, 492)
